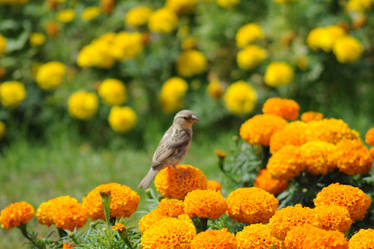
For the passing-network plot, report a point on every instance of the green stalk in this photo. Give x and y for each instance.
(25, 233)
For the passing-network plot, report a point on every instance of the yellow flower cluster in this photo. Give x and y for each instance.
(251, 205)
(240, 98)
(16, 214)
(2, 129)
(172, 94)
(83, 105)
(12, 93)
(181, 6)
(359, 5)
(214, 239)
(257, 236)
(215, 89)
(191, 62)
(90, 13)
(227, 4)
(284, 1)
(124, 201)
(325, 37)
(278, 74)
(248, 34)
(50, 75)
(138, 16)
(204, 204)
(66, 15)
(3, 42)
(163, 21)
(122, 119)
(112, 91)
(250, 57)
(37, 39)
(347, 49)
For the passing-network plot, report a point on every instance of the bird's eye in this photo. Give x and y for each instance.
(185, 118)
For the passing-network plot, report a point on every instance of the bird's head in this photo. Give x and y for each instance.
(185, 119)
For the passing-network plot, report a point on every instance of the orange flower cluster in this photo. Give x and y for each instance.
(311, 116)
(16, 214)
(119, 227)
(363, 239)
(251, 205)
(214, 239)
(257, 236)
(292, 134)
(177, 182)
(284, 219)
(352, 198)
(67, 245)
(213, 185)
(259, 129)
(149, 219)
(64, 211)
(265, 181)
(369, 137)
(205, 204)
(317, 157)
(334, 218)
(176, 233)
(124, 201)
(285, 108)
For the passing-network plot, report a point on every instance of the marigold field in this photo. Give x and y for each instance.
(282, 154)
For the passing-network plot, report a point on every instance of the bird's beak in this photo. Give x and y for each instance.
(194, 118)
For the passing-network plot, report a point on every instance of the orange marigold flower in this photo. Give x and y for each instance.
(169, 233)
(322, 239)
(44, 213)
(292, 134)
(205, 204)
(257, 236)
(124, 201)
(67, 245)
(330, 130)
(297, 234)
(170, 207)
(311, 116)
(286, 163)
(353, 198)
(265, 181)
(220, 153)
(363, 239)
(285, 108)
(259, 129)
(316, 156)
(16, 214)
(352, 157)
(213, 185)
(214, 239)
(149, 219)
(119, 227)
(286, 218)
(369, 137)
(371, 151)
(251, 205)
(334, 218)
(177, 182)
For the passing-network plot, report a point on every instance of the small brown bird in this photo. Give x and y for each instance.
(173, 145)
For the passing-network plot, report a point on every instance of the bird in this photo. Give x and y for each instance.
(173, 146)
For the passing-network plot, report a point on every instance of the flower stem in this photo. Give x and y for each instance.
(128, 243)
(204, 224)
(25, 233)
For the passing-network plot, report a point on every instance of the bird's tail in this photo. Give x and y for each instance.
(147, 180)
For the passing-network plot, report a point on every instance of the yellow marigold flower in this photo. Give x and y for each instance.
(297, 234)
(50, 75)
(317, 157)
(259, 129)
(177, 182)
(286, 218)
(325, 239)
(2, 129)
(359, 5)
(83, 105)
(265, 181)
(16, 214)
(119, 227)
(172, 94)
(189, 43)
(325, 37)
(227, 4)
(126, 45)
(352, 157)
(205, 204)
(215, 89)
(181, 6)
(354, 199)
(149, 219)
(250, 57)
(369, 137)
(52, 29)
(284, 1)
(163, 21)
(213, 185)
(286, 163)
(124, 201)
(334, 218)
(347, 49)
(37, 39)
(285, 108)
(330, 130)
(169, 233)
(122, 119)
(90, 13)
(248, 34)
(257, 236)
(68, 213)
(190, 63)
(251, 205)
(107, 6)
(240, 98)
(3, 42)
(12, 93)
(363, 239)
(311, 116)
(170, 207)
(66, 15)
(214, 239)
(293, 133)
(112, 91)
(138, 16)
(278, 74)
